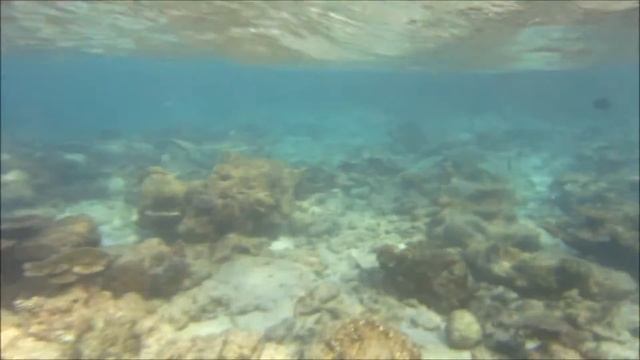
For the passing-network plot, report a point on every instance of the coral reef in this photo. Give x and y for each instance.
(244, 195)
(363, 338)
(598, 222)
(344, 259)
(69, 266)
(463, 330)
(438, 277)
(66, 233)
(161, 205)
(24, 226)
(151, 268)
(83, 321)
(598, 200)
(479, 259)
(231, 344)
(570, 324)
(313, 180)
(63, 250)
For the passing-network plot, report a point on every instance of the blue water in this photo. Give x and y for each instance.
(80, 94)
(385, 157)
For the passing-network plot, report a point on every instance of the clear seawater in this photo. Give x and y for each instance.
(85, 127)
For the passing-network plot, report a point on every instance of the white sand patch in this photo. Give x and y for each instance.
(76, 157)
(261, 292)
(282, 244)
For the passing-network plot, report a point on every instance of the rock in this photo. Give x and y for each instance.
(161, 206)
(546, 274)
(454, 229)
(85, 317)
(494, 263)
(22, 346)
(151, 268)
(243, 195)
(610, 350)
(423, 318)
(553, 350)
(64, 234)
(314, 179)
(194, 348)
(17, 188)
(597, 282)
(442, 352)
(315, 299)
(232, 245)
(24, 226)
(438, 278)
(69, 266)
(240, 345)
(463, 330)
(362, 338)
(600, 219)
(110, 338)
(272, 351)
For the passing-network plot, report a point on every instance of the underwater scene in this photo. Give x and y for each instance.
(320, 180)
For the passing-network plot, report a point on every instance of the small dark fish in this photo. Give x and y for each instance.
(601, 103)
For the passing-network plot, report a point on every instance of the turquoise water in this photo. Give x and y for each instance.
(229, 210)
(82, 94)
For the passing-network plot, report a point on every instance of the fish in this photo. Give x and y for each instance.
(601, 103)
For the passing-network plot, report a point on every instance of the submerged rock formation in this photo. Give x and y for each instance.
(363, 338)
(62, 250)
(243, 195)
(463, 330)
(439, 278)
(69, 266)
(151, 268)
(161, 206)
(598, 200)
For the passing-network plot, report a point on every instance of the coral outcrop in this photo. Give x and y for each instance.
(62, 250)
(438, 277)
(598, 200)
(24, 226)
(151, 268)
(567, 325)
(69, 266)
(66, 233)
(363, 338)
(463, 329)
(161, 205)
(81, 322)
(244, 195)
